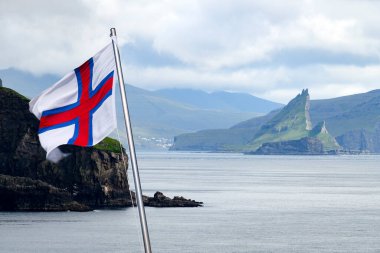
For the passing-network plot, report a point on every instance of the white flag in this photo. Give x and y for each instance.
(80, 108)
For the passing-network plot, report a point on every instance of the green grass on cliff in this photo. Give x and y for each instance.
(320, 132)
(288, 124)
(11, 92)
(109, 144)
(329, 142)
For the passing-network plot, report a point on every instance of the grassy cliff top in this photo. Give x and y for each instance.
(8, 91)
(109, 144)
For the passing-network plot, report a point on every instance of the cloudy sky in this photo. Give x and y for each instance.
(271, 49)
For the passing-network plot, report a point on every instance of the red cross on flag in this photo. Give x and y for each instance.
(80, 108)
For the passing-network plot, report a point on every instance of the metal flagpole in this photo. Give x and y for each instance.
(136, 177)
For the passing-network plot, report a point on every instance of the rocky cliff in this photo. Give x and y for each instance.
(361, 140)
(88, 178)
(290, 132)
(304, 146)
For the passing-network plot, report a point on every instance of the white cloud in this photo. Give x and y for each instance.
(278, 84)
(230, 45)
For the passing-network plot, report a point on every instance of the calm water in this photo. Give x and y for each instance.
(252, 204)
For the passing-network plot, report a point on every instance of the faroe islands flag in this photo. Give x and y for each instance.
(80, 108)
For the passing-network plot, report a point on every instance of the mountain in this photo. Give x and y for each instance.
(222, 140)
(154, 116)
(291, 123)
(353, 124)
(223, 101)
(158, 116)
(361, 140)
(343, 114)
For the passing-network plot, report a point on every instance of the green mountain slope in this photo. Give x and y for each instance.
(221, 139)
(293, 122)
(156, 120)
(320, 132)
(348, 113)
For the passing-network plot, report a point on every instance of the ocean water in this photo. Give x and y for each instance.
(252, 204)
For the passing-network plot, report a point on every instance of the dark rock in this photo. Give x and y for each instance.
(25, 194)
(89, 177)
(160, 200)
(304, 146)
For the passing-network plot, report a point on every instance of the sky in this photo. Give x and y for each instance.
(271, 49)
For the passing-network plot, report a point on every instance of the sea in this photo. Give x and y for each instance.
(251, 204)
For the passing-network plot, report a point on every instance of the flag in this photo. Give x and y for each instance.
(80, 108)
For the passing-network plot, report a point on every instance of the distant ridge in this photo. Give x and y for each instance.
(221, 100)
(292, 122)
(343, 114)
(350, 123)
(157, 116)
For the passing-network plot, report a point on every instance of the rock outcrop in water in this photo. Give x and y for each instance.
(304, 146)
(160, 200)
(88, 178)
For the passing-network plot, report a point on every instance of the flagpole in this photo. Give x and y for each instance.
(136, 176)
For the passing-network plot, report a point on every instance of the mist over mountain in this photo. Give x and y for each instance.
(158, 116)
(221, 100)
(25, 82)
